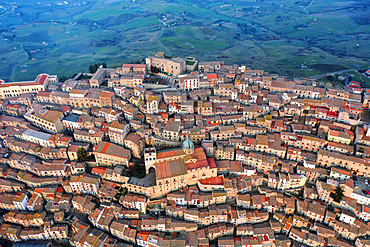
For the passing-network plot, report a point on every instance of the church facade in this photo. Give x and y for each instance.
(174, 169)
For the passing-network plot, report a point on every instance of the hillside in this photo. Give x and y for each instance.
(280, 36)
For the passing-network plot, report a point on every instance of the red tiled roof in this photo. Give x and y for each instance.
(105, 94)
(332, 114)
(66, 108)
(198, 164)
(169, 153)
(43, 94)
(143, 235)
(353, 86)
(213, 181)
(212, 163)
(19, 84)
(133, 65)
(105, 148)
(99, 170)
(212, 76)
(42, 79)
(11, 106)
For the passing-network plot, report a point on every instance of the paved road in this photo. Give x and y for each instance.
(330, 73)
(21, 62)
(308, 5)
(2, 13)
(160, 43)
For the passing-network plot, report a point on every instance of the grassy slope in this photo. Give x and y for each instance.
(278, 36)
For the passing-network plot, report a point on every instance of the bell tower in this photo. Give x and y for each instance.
(150, 155)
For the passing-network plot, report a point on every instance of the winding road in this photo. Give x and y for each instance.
(16, 65)
(308, 5)
(159, 36)
(2, 12)
(160, 43)
(330, 73)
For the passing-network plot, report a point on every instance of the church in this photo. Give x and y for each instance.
(174, 169)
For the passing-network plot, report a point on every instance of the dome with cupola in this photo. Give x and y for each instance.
(188, 146)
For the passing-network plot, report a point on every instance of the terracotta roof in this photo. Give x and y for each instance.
(41, 79)
(112, 149)
(212, 163)
(170, 168)
(212, 76)
(19, 84)
(213, 181)
(198, 164)
(170, 153)
(43, 94)
(105, 94)
(99, 170)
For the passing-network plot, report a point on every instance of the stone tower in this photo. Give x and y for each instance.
(150, 155)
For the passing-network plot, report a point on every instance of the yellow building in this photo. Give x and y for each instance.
(18, 88)
(111, 154)
(117, 132)
(99, 76)
(126, 81)
(135, 143)
(340, 137)
(175, 66)
(48, 120)
(82, 184)
(133, 68)
(353, 163)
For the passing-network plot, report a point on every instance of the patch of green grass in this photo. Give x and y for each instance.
(112, 50)
(328, 67)
(113, 9)
(184, 31)
(209, 45)
(207, 31)
(167, 7)
(39, 37)
(142, 22)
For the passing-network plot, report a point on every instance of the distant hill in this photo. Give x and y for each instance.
(284, 36)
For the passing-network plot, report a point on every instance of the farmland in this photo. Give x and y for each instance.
(301, 38)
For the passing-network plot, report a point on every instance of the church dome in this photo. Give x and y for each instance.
(188, 144)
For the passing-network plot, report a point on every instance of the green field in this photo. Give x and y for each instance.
(278, 36)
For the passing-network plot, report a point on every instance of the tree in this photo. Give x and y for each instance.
(91, 157)
(63, 78)
(139, 170)
(300, 193)
(338, 194)
(81, 154)
(94, 67)
(330, 77)
(122, 191)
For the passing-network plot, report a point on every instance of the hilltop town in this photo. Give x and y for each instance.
(180, 152)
